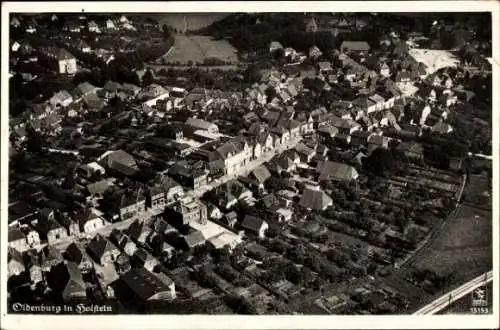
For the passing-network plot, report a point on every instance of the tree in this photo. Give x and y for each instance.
(147, 79)
(380, 162)
(252, 74)
(167, 31)
(35, 143)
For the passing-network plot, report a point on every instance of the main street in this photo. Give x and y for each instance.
(244, 170)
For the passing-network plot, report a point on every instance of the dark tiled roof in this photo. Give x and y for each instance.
(252, 223)
(143, 283)
(100, 245)
(314, 199)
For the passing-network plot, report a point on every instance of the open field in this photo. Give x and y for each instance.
(194, 21)
(198, 48)
(464, 244)
(435, 59)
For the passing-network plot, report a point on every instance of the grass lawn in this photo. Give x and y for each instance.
(464, 245)
(198, 48)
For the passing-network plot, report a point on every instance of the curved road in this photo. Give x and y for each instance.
(446, 299)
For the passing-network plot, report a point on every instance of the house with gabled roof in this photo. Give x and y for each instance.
(120, 161)
(15, 262)
(140, 287)
(66, 281)
(102, 250)
(88, 220)
(62, 98)
(255, 225)
(274, 46)
(52, 230)
(313, 198)
(193, 239)
(50, 257)
(58, 59)
(335, 171)
(144, 259)
(79, 257)
(17, 239)
(354, 46)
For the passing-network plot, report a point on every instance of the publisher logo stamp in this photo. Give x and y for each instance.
(479, 303)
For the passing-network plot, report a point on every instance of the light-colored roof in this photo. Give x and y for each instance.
(314, 199)
(336, 171)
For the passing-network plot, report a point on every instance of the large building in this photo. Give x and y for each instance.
(59, 59)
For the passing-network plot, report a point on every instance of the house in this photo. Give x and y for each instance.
(305, 153)
(230, 219)
(88, 221)
(110, 25)
(79, 257)
(33, 238)
(282, 163)
(157, 197)
(354, 46)
(52, 230)
(360, 138)
(173, 190)
(345, 126)
(72, 227)
(126, 204)
(111, 89)
(378, 100)
(274, 46)
(329, 170)
(325, 68)
(313, 198)
(144, 259)
(189, 177)
(385, 71)
(139, 288)
(193, 239)
(378, 141)
(61, 99)
(231, 192)
(119, 161)
(93, 27)
(17, 240)
(201, 124)
(366, 103)
(50, 257)
(187, 210)
(403, 77)
(235, 153)
(66, 281)
(84, 88)
(102, 250)
(124, 242)
(255, 225)
(58, 59)
(15, 262)
(214, 212)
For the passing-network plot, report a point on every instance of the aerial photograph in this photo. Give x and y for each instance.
(251, 163)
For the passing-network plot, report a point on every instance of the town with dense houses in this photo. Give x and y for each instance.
(269, 163)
